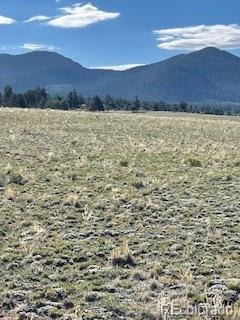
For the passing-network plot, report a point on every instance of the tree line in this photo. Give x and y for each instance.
(39, 98)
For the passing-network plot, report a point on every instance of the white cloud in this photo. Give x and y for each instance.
(120, 67)
(37, 46)
(198, 37)
(6, 20)
(37, 18)
(80, 16)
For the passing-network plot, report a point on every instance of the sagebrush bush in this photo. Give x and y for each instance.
(11, 177)
(121, 256)
(72, 200)
(124, 163)
(194, 162)
(138, 184)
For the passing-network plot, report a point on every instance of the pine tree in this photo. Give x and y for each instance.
(8, 92)
(73, 99)
(109, 103)
(136, 105)
(97, 104)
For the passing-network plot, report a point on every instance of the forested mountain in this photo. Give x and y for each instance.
(206, 76)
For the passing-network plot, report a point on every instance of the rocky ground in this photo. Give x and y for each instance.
(112, 216)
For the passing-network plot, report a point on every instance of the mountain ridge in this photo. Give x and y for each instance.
(208, 75)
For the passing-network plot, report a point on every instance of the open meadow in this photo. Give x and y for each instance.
(107, 215)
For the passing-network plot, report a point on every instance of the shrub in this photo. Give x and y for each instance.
(72, 200)
(124, 163)
(194, 162)
(121, 256)
(15, 178)
(138, 184)
(2, 180)
(11, 177)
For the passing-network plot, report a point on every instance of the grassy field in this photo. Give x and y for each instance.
(103, 216)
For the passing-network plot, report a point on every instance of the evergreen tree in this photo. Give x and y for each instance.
(8, 92)
(41, 97)
(109, 103)
(163, 106)
(96, 104)
(73, 99)
(82, 100)
(13, 101)
(20, 100)
(183, 106)
(156, 107)
(136, 105)
(30, 99)
(58, 103)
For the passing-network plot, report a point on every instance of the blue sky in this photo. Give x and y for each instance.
(118, 32)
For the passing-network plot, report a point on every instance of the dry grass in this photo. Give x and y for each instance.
(122, 207)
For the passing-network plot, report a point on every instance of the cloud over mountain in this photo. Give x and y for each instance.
(37, 46)
(198, 37)
(120, 67)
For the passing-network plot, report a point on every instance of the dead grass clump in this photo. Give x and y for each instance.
(72, 200)
(122, 257)
(11, 194)
(186, 275)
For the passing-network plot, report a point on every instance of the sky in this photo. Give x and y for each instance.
(118, 34)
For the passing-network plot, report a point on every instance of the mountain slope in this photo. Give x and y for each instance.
(208, 75)
(46, 69)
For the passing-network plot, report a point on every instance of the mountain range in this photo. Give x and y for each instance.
(209, 75)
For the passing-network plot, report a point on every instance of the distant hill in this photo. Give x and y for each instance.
(208, 76)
